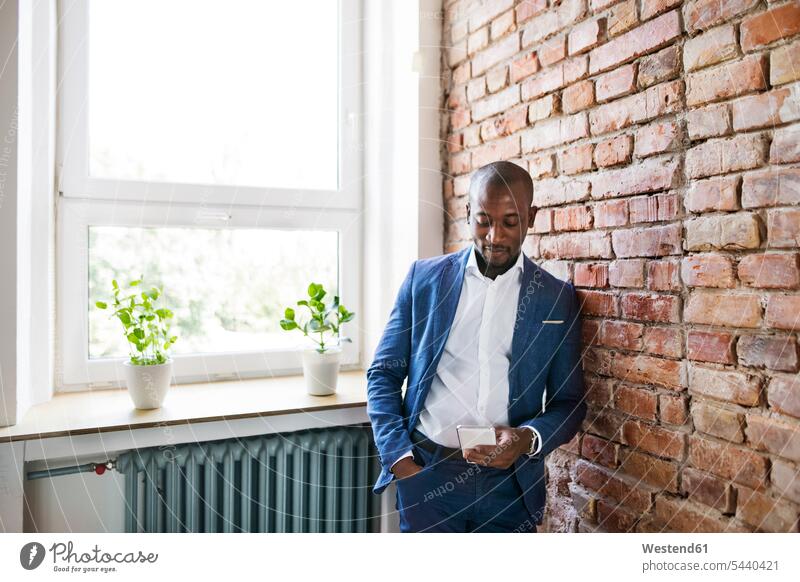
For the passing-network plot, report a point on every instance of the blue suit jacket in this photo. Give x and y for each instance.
(545, 374)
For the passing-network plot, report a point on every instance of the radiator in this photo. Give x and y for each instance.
(316, 480)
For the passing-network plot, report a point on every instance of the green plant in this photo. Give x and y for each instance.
(146, 327)
(323, 318)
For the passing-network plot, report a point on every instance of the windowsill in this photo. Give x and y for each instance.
(76, 413)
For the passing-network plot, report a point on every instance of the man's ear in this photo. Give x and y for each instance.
(467, 212)
(531, 216)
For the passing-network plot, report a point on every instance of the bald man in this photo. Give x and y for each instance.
(484, 338)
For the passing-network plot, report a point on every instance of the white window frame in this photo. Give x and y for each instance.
(84, 201)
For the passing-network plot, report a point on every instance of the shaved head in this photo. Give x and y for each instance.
(499, 175)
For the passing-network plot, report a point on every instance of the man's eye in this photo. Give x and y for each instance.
(514, 222)
(483, 222)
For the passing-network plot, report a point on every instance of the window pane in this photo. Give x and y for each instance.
(227, 287)
(240, 92)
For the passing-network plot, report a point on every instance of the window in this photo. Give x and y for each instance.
(213, 148)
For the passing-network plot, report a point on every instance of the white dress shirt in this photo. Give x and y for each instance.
(471, 382)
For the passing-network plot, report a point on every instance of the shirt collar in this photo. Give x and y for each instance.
(472, 263)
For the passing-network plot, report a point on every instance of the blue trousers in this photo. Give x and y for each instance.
(451, 495)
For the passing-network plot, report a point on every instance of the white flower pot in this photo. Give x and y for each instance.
(148, 385)
(321, 371)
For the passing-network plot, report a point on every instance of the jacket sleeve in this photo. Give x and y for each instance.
(565, 406)
(385, 379)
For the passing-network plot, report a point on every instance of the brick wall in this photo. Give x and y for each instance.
(662, 137)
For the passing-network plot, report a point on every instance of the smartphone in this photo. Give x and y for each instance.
(472, 436)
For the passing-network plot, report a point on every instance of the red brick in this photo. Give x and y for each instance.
(726, 81)
(718, 422)
(663, 275)
(599, 450)
(710, 346)
(499, 51)
(772, 187)
(576, 160)
(659, 67)
(672, 409)
(598, 391)
(459, 119)
(643, 106)
(715, 46)
(651, 8)
(713, 194)
(772, 271)
(477, 40)
(495, 104)
(586, 35)
(591, 275)
(461, 185)
(501, 149)
(636, 402)
(722, 156)
(704, 14)
(616, 83)
(543, 166)
(784, 480)
(725, 385)
(651, 307)
(578, 97)
(605, 424)
(653, 208)
(524, 66)
(506, 124)
(552, 51)
(578, 245)
(719, 308)
(783, 394)
(621, 334)
(460, 163)
(455, 142)
(684, 515)
(709, 121)
(497, 78)
(543, 108)
(765, 513)
(773, 436)
(472, 136)
(767, 27)
(553, 132)
(773, 352)
(554, 192)
(649, 176)
(730, 232)
(657, 138)
(785, 147)
(551, 21)
(484, 13)
(653, 241)
(554, 78)
(649, 370)
(723, 459)
(783, 228)
(708, 490)
(597, 303)
(527, 9)
(461, 73)
(611, 485)
(707, 270)
(663, 341)
(641, 40)
(613, 152)
(572, 218)
(627, 273)
(590, 332)
(651, 470)
(502, 24)
(783, 64)
(622, 18)
(611, 213)
(766, 110)
(614, 518)
(543, 220)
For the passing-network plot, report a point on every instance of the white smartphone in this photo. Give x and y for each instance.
(472, 436)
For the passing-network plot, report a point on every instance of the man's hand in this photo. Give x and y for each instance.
(511, 443)
(405, 467)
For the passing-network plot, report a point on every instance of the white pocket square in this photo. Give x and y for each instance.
(552, 321)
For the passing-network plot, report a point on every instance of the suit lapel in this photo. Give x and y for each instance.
(447, 296)
(530, 291)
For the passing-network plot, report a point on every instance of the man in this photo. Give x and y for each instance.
(485, 338)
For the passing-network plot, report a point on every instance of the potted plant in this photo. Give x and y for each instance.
(148, 371)
(320, 363)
